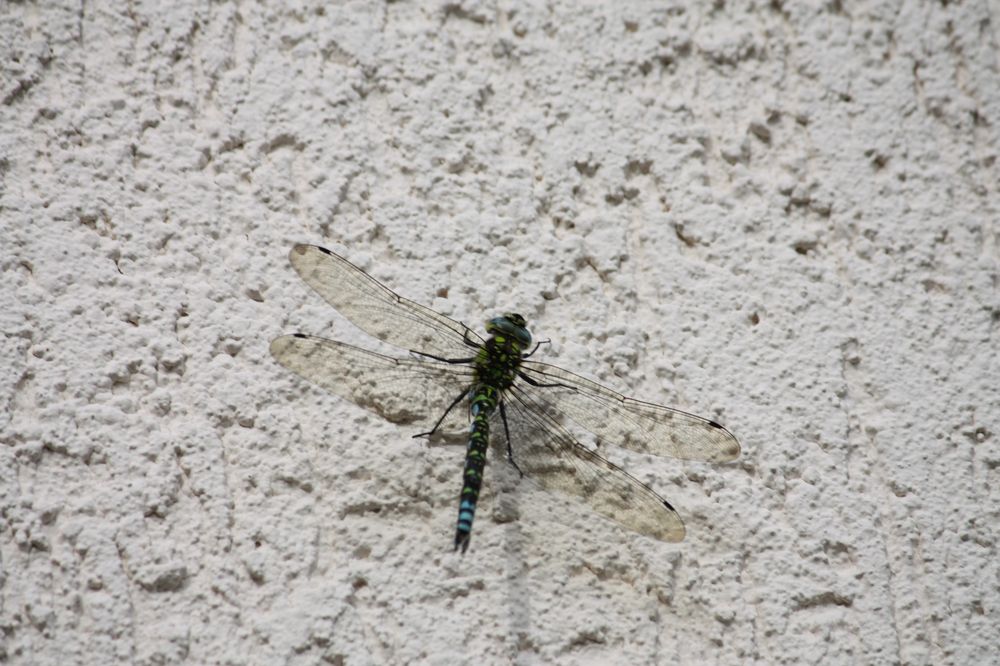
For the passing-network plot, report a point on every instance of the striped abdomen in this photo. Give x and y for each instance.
(483, 404)
(496, 366)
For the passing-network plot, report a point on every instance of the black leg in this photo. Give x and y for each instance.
(437, 425)
(537, 345)
(506, 430)
(468, 341)
(453, 361)
(540, 385)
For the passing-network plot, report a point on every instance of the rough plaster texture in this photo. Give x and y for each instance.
(778, 215)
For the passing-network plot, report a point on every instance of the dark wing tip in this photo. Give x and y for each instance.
(323, 250)
(280, 344)
(676, 530)
(732, 450)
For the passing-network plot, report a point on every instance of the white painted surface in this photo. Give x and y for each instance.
(784, 218)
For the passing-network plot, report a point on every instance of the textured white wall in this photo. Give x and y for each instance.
(781, 217)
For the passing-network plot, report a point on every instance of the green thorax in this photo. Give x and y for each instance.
(498, 360)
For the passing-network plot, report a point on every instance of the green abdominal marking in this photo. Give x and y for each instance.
(483, 404)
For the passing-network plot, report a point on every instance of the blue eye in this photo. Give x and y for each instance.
(513, 325)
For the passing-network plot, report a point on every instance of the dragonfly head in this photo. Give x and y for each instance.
(511, 324)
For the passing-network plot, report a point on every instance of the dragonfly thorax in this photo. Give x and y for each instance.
(498, 360)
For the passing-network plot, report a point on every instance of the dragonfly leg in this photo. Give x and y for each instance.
(506, 431)
(453, 361)
(541, 385)
(467, 340)
(537, 345)
(437, 425)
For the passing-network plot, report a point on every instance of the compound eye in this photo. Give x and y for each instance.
(516, 319)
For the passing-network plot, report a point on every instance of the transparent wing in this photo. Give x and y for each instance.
(631, 424)
(550, 456)
(400, 390)
(377, 310)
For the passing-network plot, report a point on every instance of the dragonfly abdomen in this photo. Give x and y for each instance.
(482, 405)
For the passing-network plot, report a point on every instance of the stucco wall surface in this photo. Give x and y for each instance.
(779, 215)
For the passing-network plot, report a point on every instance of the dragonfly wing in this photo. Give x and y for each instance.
(632, 424)
(377, 310)
(400, 390)
(551, 457)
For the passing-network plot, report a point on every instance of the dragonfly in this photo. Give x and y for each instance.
(492, 389)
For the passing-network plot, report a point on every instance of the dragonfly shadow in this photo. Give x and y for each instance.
(508, 490)
(447, 439)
